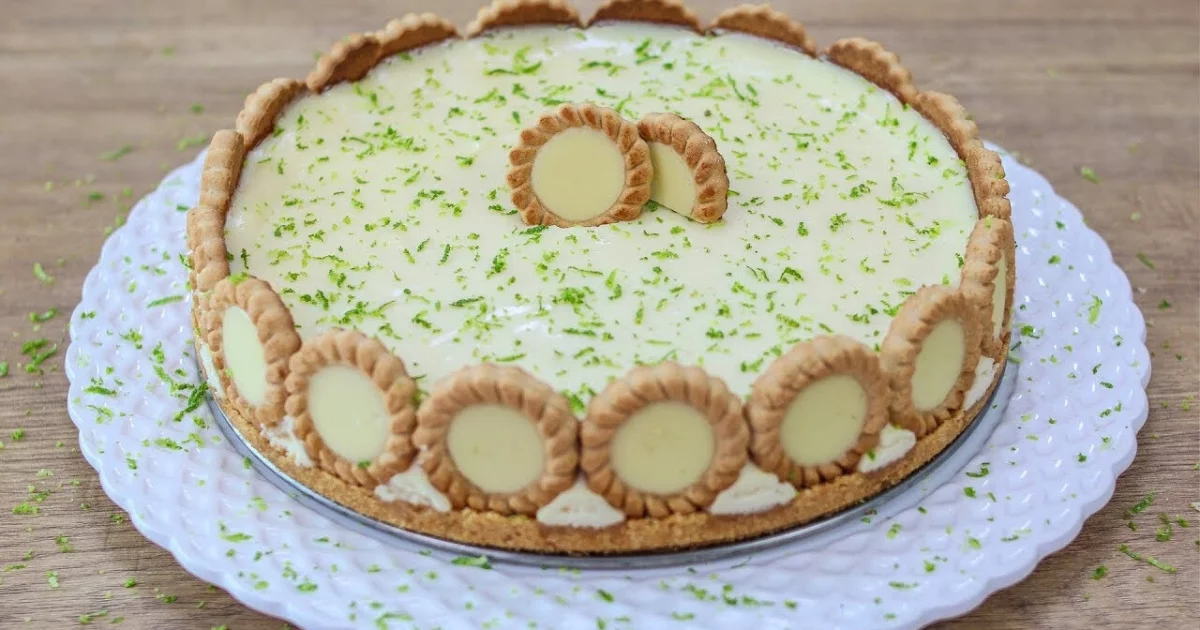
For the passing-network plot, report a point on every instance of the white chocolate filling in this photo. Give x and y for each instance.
(938, 364)
(412, 486)
(754, 491)
(673, 186)
(985, 373)
(824, 420)
(663, 448)
(349, 413)
(495, 447)
(578, 506)
(210, 371)
(283, 437)
(894, 442)
(999, 295)
(579, 173)
(245, 357)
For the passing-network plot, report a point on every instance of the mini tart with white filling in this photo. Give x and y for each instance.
(580, 165)
(930, 354)
(991, 266)
(496, 438)
(207, 252)
(353, 402)
(252, 337)
(817, 410)
(651, 416)
(689, 172)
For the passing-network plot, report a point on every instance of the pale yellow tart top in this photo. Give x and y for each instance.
(381, 205)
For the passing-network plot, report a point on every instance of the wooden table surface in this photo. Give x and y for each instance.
(1111, 85)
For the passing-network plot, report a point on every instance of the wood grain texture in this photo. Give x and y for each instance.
(1108, 84)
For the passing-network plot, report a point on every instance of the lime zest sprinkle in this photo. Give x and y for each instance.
(116, 154)
(39, 272)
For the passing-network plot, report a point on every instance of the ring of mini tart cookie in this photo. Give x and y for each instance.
(349, 60)
(252, 337)
(262, 108)
(680, 150)
(496, 438)
(830, 384)
(655, 11)
(413, 31)
(544, 160)
(873, 62)
(204, 356)
(663, 439)
(206, 221)
(930, 353)
(763, 21)
(342, 379)
(990, 266)
(984, 168)
(501, 13)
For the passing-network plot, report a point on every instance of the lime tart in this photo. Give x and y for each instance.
(608, 286)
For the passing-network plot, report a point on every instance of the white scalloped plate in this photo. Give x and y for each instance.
(1069, 430)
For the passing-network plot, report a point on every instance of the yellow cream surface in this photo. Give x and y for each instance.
(938, 365)
(579, 173)
(663, 448)
(245, 357)
(673, 185)
(382, 205)
(348, 412)
(824, 420)
(496, 448)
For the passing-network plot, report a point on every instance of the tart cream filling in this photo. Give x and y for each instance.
(754, 491)
(283, 437)
(894, 443)
(412, 486)
(578, 506)
(985, 373)
(210, 371)
(245, 357)
(382, 206)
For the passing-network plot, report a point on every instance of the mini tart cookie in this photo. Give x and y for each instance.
(658, 11)
(763, 21)
(580, 165)
(930, 354)
(869, 60)
(663, 439)
(983, 165)
(206, 222)
(252, 337)
(496, 438)
(413, 31)
(990, 267)
(519, 12)
(689, 172)
(262, 109)
(817, 410)
(353, 405)
(349, 60)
